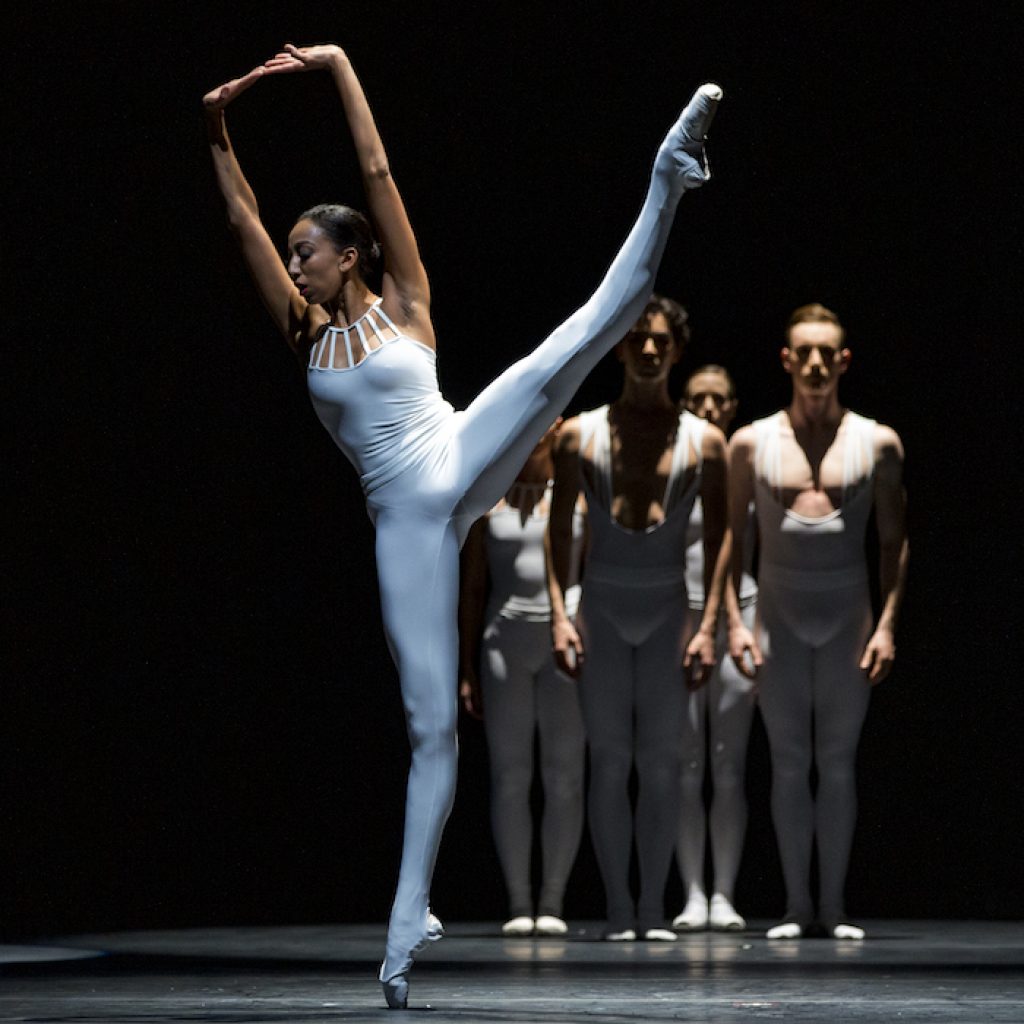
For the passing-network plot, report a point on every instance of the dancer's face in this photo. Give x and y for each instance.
(707, 396)
(649, 351)
(314, 263)
(815, 358)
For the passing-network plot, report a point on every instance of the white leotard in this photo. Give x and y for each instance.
(635, 622)
(814, 620)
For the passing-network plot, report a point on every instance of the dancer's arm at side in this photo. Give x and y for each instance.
(558, 547)
(472, 597)
(700, 651)
(743, 647)
(894, 552)
(406, 288)
(290, 312)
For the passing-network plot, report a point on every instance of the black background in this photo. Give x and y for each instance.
(200, 721)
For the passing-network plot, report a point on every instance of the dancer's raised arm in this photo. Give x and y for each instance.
(288, 309)
(403, 270)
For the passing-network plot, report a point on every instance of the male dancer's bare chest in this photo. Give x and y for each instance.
(814, 472)
(638, 466)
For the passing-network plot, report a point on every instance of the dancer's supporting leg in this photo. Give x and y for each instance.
(418, 555)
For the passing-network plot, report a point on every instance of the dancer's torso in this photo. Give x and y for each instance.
(813, 552)
(655, 555)
(375, 390)
(516, 566)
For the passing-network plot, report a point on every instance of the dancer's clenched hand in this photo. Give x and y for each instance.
(568, 647)
(744, 650)
(699, 660)
(879, 655)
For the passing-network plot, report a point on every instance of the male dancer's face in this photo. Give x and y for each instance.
(815, 359)
(649, 351)
(707, 396)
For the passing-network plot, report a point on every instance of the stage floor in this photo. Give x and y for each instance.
(955, 971)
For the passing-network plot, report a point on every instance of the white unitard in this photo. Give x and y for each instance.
(635, 623)
(814, 619)
(428, 472)
(524, 692)
(718, 719)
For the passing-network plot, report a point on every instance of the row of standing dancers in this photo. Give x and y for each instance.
(596, 631)
(429, 472)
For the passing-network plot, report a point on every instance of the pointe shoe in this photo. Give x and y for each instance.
(626, 935)
(548, 924)
(396, 985)
(659, 935)
(694, 916)
(722, 916)
(685, 141)
(395, 980)
(515, 926)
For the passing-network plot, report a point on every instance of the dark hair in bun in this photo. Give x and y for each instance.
(347, 228)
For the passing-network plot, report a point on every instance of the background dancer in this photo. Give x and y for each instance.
(815, 471)
(716, 728)
(505, 628)
(427, 471)
(641, 464)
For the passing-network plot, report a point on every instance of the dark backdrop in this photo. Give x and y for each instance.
(201, 724)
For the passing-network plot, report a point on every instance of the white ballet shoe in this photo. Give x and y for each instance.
(846, 931)
(659, 935)
(694, 916)
(522, 925)
(722, 916)
(394, 975)
(626, 935)
(786, 930)
(685, 142)
(548, 924)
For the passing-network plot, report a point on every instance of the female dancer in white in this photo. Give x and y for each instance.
(505, 626)
(427, 471)
(718, 714)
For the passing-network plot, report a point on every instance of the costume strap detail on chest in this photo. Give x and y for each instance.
(373, 330)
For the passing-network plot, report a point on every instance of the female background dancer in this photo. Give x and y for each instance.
(427, 471)
(718, 715)
(520, 691)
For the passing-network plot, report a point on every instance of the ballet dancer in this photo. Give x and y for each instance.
(719, 714)
(427, 472)
(519, 691)
(641, 463)
(814, 472)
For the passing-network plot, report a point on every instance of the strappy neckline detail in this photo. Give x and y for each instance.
(370, 333)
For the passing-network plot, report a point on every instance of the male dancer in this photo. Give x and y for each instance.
(815, 471)
(640, 463)
(716, 729)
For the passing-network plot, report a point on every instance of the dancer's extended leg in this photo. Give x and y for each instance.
(527, 397)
